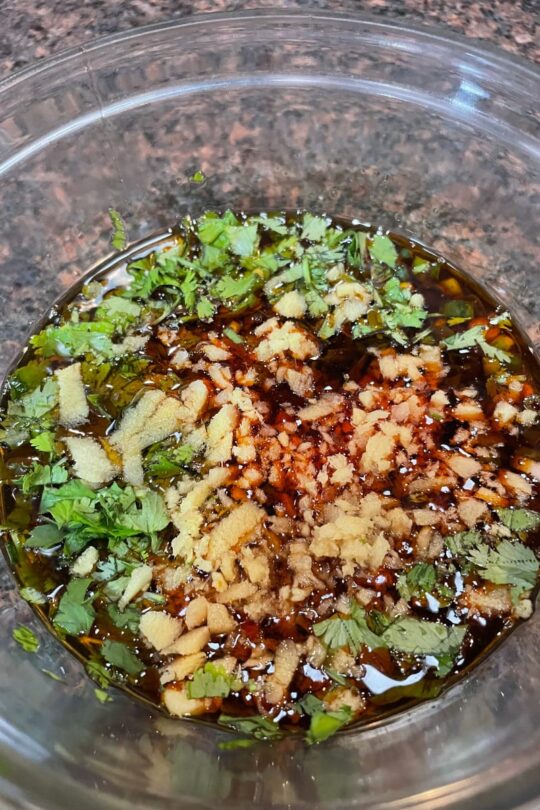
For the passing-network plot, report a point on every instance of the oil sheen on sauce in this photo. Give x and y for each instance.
(415, 480)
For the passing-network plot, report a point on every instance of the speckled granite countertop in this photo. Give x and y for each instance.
(33, 29)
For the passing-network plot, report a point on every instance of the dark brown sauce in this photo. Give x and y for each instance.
(342, 358)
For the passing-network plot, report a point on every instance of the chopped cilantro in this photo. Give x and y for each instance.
(102, 695)
(475, 337)
(118, 238)
(460, 544)
(418, 637)
(118, 311)
(33, 596)
(313, 228)
(128, 619)
(44, 442)
(26, 638)
(405, 634)
(212, 681)
(75, 339)
(205, 308)
(383, 250)
(41, 475)
(30, 414)
(98, 672)
(262, 728)
(75, 614)
(511, 563)
(234, 745)
(417, 581)
(519, 520)
(121, 657)
(53, 675)
(347, 631)
(323, 723)
(27, 378)
(420, 580)
(233, 336)
(243, 239)
(46, 535)
(198, 177)
(236, 288)
(150, 516)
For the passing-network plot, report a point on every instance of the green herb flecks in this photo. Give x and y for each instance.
(262, 728)
(121, 657)
(118, 238)
(212, 681)
(75, 614)
(324, 723)
(26, 639)
(475, 337)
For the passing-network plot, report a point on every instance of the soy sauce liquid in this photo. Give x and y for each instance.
(341, 358)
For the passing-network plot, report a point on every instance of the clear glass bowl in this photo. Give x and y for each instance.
(432, 137)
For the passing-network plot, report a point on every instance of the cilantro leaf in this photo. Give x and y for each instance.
(188, 288)
(120, 656)
(128, 619)
(316, 304)
(511, 563)
(45, 536)
(352, 631)
(465, 340)
(475, 337)
(118, 238)
(27, 378)
(41, 475)
(198, 177)
(418, 637)
(119, 311)
(166, 461)
(324, 723)
(70, 491)
(262, 728)
(243, 239)
(44, 442)
(417, 581)
(75, 339)
(313, 228)
(30, 414)
(239, 287)
(519, 520)
(150, 517)
(205, 308)
(383, 250)
(212, 680)
(211, 228)
(26, 638)
(75, 613)
(33, 596)
(461, 543)
(102, 696)
(275, 224)
(98, 672)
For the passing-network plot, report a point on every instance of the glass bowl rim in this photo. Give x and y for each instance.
(491, 55)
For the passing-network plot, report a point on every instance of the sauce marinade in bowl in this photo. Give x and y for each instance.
(279, 472)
